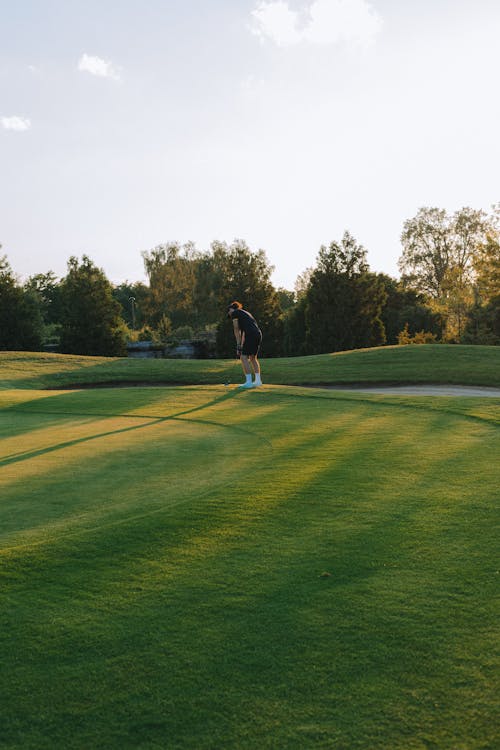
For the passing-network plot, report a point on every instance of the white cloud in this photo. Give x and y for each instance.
(96, 66)
(324, 22)
(15, 123)
(277, 22)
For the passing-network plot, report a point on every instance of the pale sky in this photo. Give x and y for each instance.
(125, 124)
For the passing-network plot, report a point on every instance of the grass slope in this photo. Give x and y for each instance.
(207, 568)
(462, 365)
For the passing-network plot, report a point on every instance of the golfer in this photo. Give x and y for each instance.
(248, 339)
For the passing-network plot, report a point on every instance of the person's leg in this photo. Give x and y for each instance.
(256, 368)
(247, 370)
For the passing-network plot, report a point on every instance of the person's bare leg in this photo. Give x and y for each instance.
(247, 369)
(256, 368)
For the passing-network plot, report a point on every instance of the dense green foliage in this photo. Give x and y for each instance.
(153, 597)
(91, 322)
(343, 301)
(193, 289)
(455, 261)
(246, 276)
(133, 299)
(21, 323)
(449, 291)
(405, 307)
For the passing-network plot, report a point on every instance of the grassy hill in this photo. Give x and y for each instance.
(463, 365)
(201, 567)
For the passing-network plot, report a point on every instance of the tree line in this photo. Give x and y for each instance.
(449, 290)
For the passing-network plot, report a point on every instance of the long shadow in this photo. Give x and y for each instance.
(69, 443)
(26, 455)
(310, 448)
(26, 408)
(270, 503)
(381, 401)
(157, 419)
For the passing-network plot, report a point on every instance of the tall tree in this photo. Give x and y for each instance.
(483, 324)
(438, 260)
(46, 288)
(171, 271)
(405, 307)
(344, 300)
(245, 276)
(287, 299)
(134, 300)
(91, 321)
(294, 328)
(210, 284)
(487, 266)
(21, 323)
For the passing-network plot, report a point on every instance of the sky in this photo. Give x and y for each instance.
(126, 124)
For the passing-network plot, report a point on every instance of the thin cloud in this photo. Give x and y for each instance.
(96, 66)
(15, 122)
(277, 22)
(319, 22)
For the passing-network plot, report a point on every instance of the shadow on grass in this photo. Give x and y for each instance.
(302, 651)
(155, 420)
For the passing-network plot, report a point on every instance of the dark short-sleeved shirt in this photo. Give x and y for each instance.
(246, 322)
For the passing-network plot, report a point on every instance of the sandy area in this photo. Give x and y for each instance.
(425, 390)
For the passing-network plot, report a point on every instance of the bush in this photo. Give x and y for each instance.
(421, 337)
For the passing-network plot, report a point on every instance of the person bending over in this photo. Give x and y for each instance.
(248, 339)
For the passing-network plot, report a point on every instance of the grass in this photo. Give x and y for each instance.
(198, 567)
(462, 365)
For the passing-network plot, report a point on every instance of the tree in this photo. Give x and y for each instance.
(286, 298)
(483, 323)
(214, 279)
(487, 266)
(193, 289)
(438, 260)
(294, 329)
(294, 317)
(243, 275)
(303, 282)
(171, 271)
(91, 322)
(21, 323)
(134, 300)
(405, 307)
(344, 300)
(45, 286)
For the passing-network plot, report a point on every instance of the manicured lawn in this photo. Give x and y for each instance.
(197, 567)
(463, 365)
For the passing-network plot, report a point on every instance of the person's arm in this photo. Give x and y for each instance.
(239, 335)
(237, 332)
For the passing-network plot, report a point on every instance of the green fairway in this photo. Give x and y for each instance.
(200, 567)
(463, 365)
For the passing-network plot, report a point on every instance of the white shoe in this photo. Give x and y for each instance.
(246, 385)
(257, 384)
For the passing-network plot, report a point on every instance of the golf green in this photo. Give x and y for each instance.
(201, 567)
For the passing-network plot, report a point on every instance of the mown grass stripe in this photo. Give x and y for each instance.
(167, 588)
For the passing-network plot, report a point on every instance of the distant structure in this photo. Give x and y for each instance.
(184, 349)
(144, 350)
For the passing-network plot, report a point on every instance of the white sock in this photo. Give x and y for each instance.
(248, 378)
(257, 380)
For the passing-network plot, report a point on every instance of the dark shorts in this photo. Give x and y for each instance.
(252, 343)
